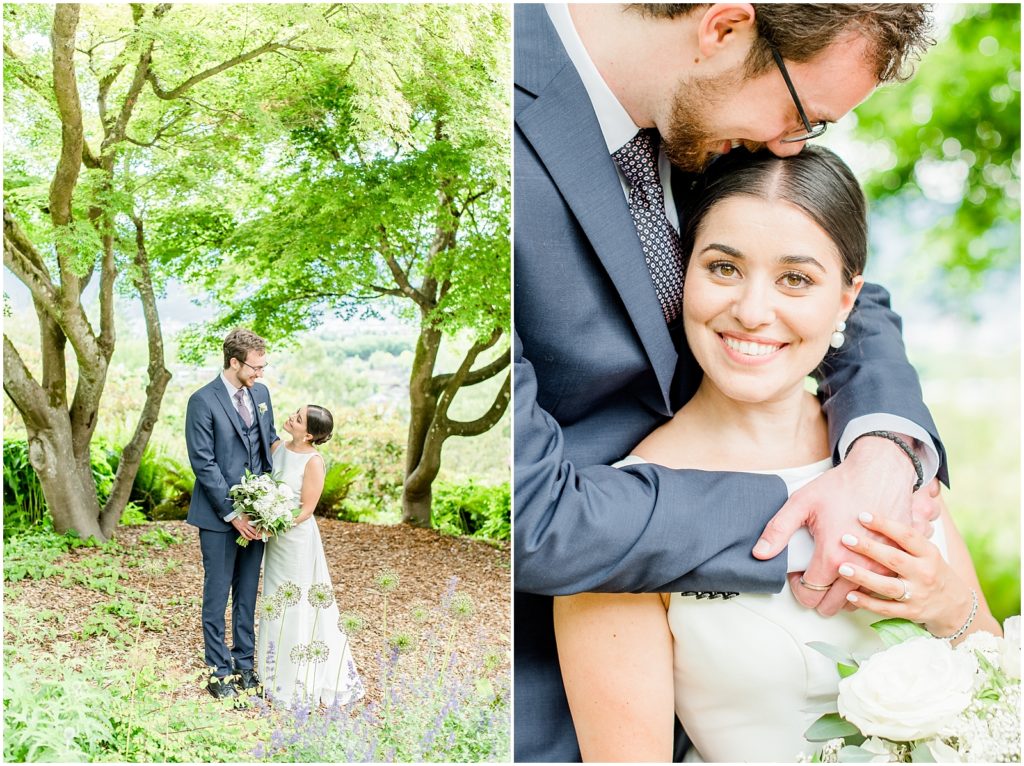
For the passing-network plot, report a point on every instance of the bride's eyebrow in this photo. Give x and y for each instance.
(802, 260)
(723, 249)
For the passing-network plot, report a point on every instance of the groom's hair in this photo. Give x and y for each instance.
(239, 343)
(319, 423)
(899, 33)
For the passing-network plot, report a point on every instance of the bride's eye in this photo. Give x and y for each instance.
(796, 280)
(723, 269)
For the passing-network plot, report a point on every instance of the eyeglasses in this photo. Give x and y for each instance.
(811, 129)
(261, 368)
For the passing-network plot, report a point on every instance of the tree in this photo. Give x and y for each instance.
(407, 205)
(958, 121)
(131, 107)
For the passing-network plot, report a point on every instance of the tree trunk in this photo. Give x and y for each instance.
(422, 408)
(430, 396)
(66, 480)
(416, 507)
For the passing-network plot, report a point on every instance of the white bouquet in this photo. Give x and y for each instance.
(271, 505)
(921, 700)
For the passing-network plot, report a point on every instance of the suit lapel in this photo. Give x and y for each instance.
(220, 393)
(561, 126)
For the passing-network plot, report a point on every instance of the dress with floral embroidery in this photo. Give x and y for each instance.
(303, 654)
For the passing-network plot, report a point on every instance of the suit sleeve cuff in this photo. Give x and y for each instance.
(230, 516)
(922, 442)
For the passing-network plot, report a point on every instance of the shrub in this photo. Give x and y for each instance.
(24, 506)
(337, 484)
(162, 488)
(111, 706)
(472, 509)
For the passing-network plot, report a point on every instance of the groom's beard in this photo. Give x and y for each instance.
(689, 143)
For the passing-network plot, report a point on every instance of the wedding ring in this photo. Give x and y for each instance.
(906, 591)
(812, 586)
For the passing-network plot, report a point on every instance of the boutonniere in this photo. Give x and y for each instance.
(262, 406)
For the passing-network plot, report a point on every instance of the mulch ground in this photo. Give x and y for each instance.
(424, 560)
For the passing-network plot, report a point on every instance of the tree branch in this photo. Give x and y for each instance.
(65, 85)
(401, 277)
(25, 262)
(477, 376)
(28, 396)
(45, 90)
(159, 376)
(486, 421)
(31, 80)
(175, 92)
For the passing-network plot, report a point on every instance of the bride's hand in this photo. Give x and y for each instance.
(925, 588)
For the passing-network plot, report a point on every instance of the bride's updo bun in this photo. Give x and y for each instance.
(319, 423)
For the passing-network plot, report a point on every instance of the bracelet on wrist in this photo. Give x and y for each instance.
(895, 439)
(970, 619)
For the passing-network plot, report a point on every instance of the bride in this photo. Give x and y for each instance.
(303, 652)
(776, 249)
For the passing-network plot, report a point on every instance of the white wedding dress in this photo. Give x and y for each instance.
(295, 561)
(745, 679)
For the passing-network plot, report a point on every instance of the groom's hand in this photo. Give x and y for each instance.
(244, 526)
(876, 477)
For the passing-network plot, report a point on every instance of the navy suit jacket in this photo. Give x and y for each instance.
(596, 369)
(217, 449)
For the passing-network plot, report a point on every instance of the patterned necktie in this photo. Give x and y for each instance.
(242, 409)
(638, 161)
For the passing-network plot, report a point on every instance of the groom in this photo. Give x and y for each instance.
(229, 428)
(605, 96)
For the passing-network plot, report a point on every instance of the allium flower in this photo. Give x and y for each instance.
(272, 608)
(320, 595)
(420, 612)
(401, 642)
(350, 622)
(299, 654)
(289, 594)
(461, 606)
(387, 580)
(317, 652)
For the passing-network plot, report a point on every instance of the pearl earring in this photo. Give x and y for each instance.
(838, 339)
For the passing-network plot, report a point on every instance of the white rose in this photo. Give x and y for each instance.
(1010, 655)
(909, 691)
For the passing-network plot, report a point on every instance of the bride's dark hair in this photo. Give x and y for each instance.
(319, 423)
(815, 180)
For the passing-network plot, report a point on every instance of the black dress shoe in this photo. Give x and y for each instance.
(222, 688)
(248, 679)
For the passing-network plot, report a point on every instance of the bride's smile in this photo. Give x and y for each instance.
(763, 294)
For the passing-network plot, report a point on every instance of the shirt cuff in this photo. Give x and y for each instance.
(230, 516)
(921, 443)
(800, 550)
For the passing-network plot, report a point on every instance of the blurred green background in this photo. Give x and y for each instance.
(940, 161)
